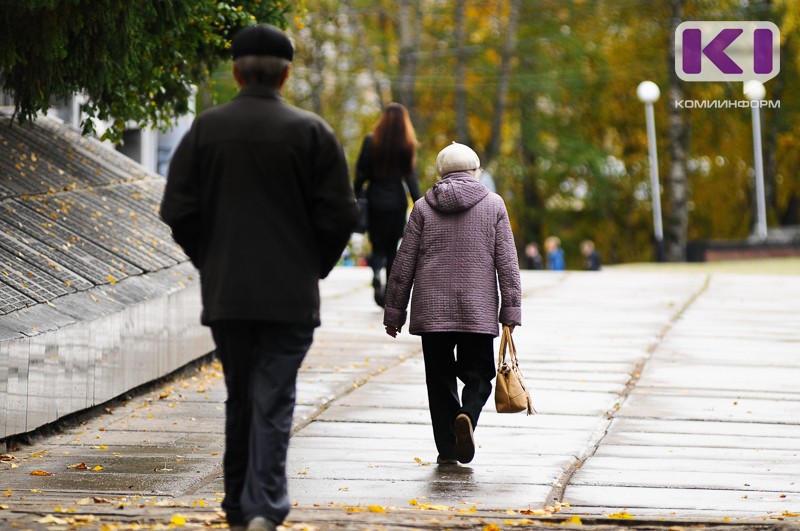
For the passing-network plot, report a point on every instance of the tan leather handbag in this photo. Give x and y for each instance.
(510, 394)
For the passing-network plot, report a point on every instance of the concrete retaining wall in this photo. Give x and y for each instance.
(95, 298)
(120, 346)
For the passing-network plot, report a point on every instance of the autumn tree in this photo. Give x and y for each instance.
(545, 92)
(134, 59)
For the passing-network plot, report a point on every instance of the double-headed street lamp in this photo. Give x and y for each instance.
(648, 93)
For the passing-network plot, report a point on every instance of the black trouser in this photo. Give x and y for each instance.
(473, 364)
(385, 230)
(260, 361)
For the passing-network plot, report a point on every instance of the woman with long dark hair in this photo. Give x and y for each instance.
(387, 161)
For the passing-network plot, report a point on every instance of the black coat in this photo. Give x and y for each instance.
(258, 196)
(384, 192)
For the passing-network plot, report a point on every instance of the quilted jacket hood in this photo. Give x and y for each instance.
(456, 193)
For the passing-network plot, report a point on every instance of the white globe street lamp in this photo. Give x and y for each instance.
(755, 92)
(648, 93)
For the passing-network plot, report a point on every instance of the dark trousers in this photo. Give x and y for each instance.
(260, 361)
(473, 364)
(385, 230)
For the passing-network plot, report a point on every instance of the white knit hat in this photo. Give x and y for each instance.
(456, 157)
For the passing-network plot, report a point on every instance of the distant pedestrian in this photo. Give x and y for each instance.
(590, 255)
(259, 197)
(387, 161)
(533, 259)
(457, 246)
(555, 254)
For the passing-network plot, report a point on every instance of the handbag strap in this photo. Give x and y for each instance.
(512, 349)
(501, 352)
(506, 344)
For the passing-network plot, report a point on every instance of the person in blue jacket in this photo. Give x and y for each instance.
(555, 254)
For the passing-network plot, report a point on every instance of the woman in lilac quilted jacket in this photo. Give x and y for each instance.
(456, 249)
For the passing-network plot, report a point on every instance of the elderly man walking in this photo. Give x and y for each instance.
(258, 196)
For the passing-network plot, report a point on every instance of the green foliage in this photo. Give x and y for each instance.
(136, 60)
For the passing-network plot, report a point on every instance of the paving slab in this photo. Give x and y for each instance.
(665, 397)
(672, 502)
(715, 409)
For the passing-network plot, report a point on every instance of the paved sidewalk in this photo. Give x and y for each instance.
(663, 399)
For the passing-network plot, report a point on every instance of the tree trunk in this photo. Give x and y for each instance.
(317, 77)
(677, 223)
(501, 97)
(462, 112)
(531, 229)
(409, 20)
(384, 96)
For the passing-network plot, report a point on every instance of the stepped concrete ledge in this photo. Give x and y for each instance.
(95, 298)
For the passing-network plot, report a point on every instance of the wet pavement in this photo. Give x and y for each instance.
(663, 400)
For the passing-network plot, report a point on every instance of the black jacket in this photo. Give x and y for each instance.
(258, 196)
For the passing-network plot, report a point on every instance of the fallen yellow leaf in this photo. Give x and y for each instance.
(412, 503)
(433, 507)
(79, 466)
(111, 279)
(573, 520)
(491, 527)
(790, 515)
(622, 515)
(376, 509)
(98, 468)
(40, 473)
(467, 511)
(354, 509)
(3, 507)
(178, 520)
(50, 519)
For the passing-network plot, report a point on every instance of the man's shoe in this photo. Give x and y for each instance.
(465, 444)
(259, 523)
(446, 461)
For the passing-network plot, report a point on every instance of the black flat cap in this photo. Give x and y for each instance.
(262, 39)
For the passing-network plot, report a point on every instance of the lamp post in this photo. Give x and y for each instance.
(755, 92)
(648, 93)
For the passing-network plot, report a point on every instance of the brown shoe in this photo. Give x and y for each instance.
(465, 444)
